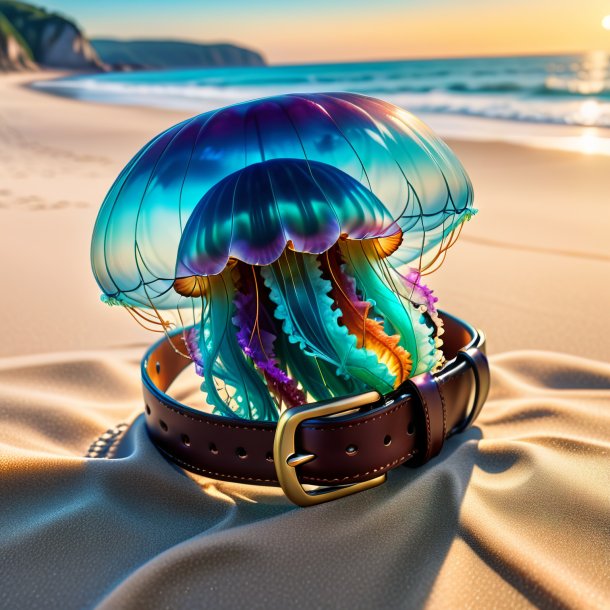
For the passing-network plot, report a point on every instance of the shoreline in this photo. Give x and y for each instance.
(587, 139)
(517, 272)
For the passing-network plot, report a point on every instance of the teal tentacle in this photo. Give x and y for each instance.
(303, 368)
(301, 294)
(223, 359)
(317, 377)
(400, 315)
(340, 386)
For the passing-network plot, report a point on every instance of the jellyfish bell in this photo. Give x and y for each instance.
(287, 237)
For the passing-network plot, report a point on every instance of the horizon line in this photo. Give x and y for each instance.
(269, 63)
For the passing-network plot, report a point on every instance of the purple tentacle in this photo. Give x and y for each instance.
(190, 336)
(257, 344)
(422, 295)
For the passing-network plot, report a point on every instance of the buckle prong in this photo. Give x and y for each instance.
(287, 458)
(296, 459)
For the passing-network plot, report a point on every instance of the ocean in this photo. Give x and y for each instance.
(559, 90)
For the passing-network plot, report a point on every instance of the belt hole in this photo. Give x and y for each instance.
(213, 449)
(158, 367)
(147, 409)
(186, 441)
(387, 440)
(410, 428)
(163, 425)
(241, 453)
(269, 456)
(351, 450)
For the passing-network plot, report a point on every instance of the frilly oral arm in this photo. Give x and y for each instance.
(258, 344)
(301, 295)
(370, 333)
(224, 360)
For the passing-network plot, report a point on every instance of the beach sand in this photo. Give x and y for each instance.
(514, 514)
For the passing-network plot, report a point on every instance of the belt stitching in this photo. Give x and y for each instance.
(239, 427)
(387, 466)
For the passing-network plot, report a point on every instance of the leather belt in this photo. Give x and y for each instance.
(340, 446)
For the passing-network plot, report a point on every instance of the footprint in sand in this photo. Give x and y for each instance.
(34, 203)
(29, 199)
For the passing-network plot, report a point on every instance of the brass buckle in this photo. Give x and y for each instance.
(287, 459)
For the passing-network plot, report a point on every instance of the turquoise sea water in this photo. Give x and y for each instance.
(570, 89)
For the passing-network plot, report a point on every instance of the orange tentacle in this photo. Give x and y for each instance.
(368, 332)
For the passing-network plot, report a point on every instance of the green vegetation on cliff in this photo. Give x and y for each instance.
(31, 22)
(48, 37)
(7, 31)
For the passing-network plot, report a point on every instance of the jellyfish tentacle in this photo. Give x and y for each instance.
(209, 368)
(419, 292)
(258, 344)
(426, 323)
(223, 358)
(423, 298)
(191, 338)
(306, 310)
(378, 283)
(318, 377)
(368, 332)
(363, 263)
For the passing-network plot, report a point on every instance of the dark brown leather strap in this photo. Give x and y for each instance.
(412, 421)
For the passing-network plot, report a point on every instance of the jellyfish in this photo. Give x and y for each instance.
(286, 239)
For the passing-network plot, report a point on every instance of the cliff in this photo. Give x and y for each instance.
(49, 39)
(31, 36)
(174, 54)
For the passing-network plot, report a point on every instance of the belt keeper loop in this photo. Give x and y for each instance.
(427, 390)
(477, 361)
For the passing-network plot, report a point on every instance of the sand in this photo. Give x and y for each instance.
(514, 513)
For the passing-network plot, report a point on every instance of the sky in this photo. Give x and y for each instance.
(291, 31)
